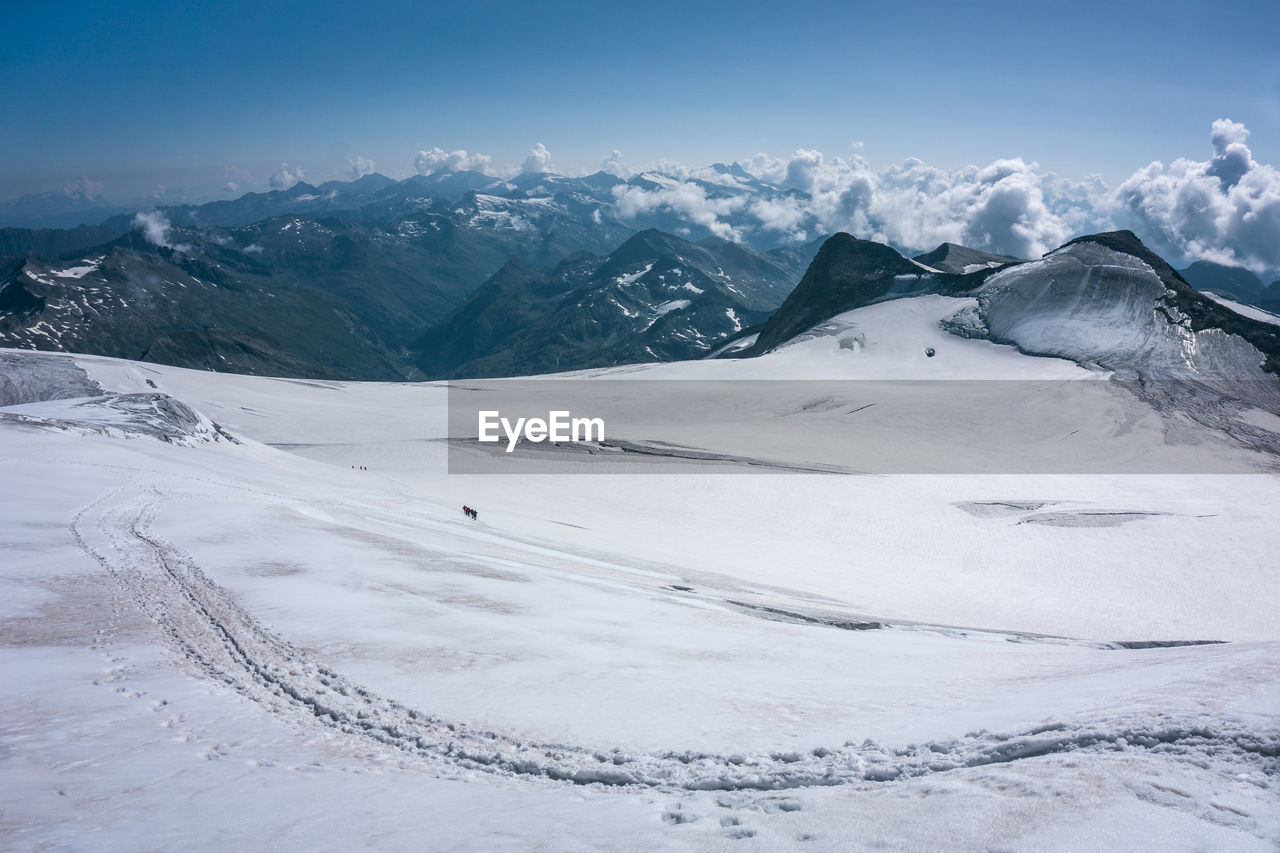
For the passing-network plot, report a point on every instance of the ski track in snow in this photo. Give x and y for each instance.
(200, 622)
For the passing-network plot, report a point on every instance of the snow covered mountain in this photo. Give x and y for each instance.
(322, 298)
(1104, 299)
(289, 297)
(656, 297)
(849, 273)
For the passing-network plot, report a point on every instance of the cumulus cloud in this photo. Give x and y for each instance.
(687, 201)
(785, 215)
(1008, 206)
(539, 160)
(1231, 157)
(1001, 207)
(803, 169)
(358, 168)
(437, 159)
(231, 187)
(613, 163)
(1225, 209)
(285, 178)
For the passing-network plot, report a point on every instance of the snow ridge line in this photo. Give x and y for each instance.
(208, 629)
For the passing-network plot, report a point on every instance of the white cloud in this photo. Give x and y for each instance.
(539, 160)
(285, 178)
(1001, 207)
(685, 200)
(1232, 158)
(785, 215)
(437, 159)
(358, 168)
(1224, 209)
(231, 187)
(1007, 206)
(613, 164)
(803, 169)
(766, 168)
(155, 228)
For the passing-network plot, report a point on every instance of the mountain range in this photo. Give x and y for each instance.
(657, 297)
(333, 298)
(520, 202)
(460, 274)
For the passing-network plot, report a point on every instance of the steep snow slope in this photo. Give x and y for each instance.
(1090, 303)
(297, 640)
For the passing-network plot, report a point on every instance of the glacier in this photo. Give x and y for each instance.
(245, 612)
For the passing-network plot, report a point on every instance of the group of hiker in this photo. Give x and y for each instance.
(466, 510)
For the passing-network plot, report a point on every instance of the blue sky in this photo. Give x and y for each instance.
(139, 94)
